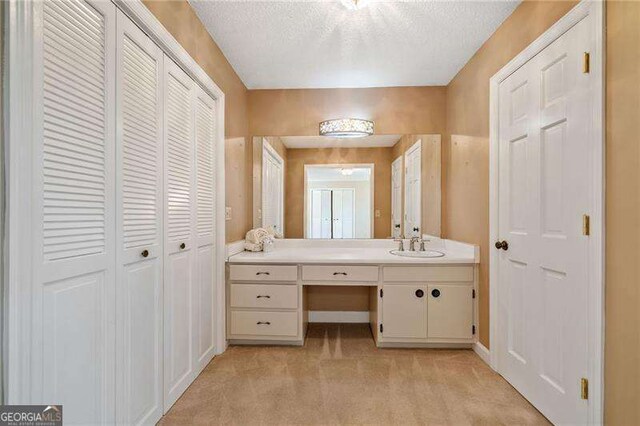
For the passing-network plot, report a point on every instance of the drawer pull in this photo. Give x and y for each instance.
(262, 273)
(340, 273)
(263, 323)
(266, 296)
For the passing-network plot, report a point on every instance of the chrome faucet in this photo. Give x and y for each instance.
(401, 241)
(412, 243)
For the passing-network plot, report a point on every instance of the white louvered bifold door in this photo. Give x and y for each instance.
(139, 226)
(204, 290)
(179, 238)
(73, 305)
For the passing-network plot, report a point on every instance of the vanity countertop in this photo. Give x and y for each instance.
(292, 251)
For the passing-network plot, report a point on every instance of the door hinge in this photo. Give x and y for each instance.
(586, 225)
(381, 328)
(473, 329)
(381, 293)
(473, 293)
(585, 63)
(584, 388)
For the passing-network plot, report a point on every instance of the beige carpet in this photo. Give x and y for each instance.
(340, 377)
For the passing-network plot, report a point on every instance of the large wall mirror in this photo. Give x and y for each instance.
(379, 186)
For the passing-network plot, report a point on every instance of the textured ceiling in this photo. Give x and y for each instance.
(375, 141)
(322, 44)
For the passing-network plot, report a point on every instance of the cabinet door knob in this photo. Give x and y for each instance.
(435, 292)
(145, 253)
(502, 245)
(419, 293)
(182, 246)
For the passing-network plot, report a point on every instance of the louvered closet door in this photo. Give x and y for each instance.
(72, 347)
(139, 225)
(179, 236)
(205, 231)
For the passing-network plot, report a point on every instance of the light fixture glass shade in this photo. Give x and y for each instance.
(346, 128)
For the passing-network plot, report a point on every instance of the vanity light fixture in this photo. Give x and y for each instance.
(346, 128)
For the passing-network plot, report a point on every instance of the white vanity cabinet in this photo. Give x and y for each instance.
(411, 305)
(427, 305)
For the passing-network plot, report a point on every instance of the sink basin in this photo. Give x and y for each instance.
(426, 253)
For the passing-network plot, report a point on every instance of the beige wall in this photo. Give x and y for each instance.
(466, 164)
(395, 110)
(294, 197)
(182, 22)
(622, 318)
(431, 185)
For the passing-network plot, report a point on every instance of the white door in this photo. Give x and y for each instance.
(73, 210)
(321, 222)
(139, 225)
(272, 188)
(413, 192)
(396, 197)
(343, 213)
(179, 239)
(204, 290)
(544, 186)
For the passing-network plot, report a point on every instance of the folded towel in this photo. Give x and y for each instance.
(254, 239)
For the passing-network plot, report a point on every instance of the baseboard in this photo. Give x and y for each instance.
(339, 316)
(482, 352)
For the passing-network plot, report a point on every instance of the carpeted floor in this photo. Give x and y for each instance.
(340, 377)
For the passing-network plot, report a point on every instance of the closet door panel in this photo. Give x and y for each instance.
(139, 225)
(179, 238)
(205, 219)
(73, 305)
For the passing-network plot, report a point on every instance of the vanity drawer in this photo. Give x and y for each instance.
(427, 273)
(263, 273)
(264, 296)
(339, 273)
(254, 323)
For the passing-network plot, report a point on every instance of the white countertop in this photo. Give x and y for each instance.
(356, 252)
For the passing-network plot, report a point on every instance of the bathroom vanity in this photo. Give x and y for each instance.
(413, 301)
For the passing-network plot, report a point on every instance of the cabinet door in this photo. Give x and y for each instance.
(450, 311)
(204, 289)
(179, 309)
(139, 225)
(404, 310)
(71, 357)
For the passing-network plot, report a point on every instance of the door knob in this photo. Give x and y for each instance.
(144, 253)
(182, 246)
(502, 245)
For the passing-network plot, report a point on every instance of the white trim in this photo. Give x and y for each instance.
(482, 351)
(596, 283)
(18, 82)
(415, 147)
(234, 248)
(350, 317)
(399, 159)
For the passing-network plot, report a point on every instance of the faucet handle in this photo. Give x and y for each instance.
(401, 241)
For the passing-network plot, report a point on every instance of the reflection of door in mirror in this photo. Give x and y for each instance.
(332, 213)
(396, 197)
(272, 188)
(413, 193)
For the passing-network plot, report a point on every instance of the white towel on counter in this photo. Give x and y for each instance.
(254, 240)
